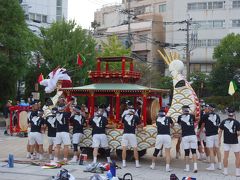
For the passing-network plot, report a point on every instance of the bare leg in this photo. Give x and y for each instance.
(28, 150)
(178, 148)
(36, 148)
(206, 151)
(237, 163)
(57, 152)
(50, 150)
(237, 160)
(219, 157)
(225, 159)
(194, 157)
(135, 151)
(31, 150)
(95, 153)
(65, 152)
(124, 151)
(168, 158)
(225, 162)
(212, 156)
(40, 151)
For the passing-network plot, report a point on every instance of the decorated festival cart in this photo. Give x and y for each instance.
(122, 84)
(18, 119)
(116, 85)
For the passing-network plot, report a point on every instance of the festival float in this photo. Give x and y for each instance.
(183, 93)
(122, 84)
(116, 85)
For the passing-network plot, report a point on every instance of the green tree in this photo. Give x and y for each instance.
(16, 43)
(152, 77)
(61, 44)
(200, 83)
(113, 47)
(227, 54)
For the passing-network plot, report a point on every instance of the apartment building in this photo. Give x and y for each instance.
(146, 29)
(210, 21)
(41, 13)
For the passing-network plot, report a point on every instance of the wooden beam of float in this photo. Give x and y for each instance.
(145, 94)
(117, 93)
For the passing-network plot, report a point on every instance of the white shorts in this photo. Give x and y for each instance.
(63, 138)
(130, 139)
(212, 141)
(233, 147)
(35, 137)
(76, 138)
(51, 140)
(164, 140)
(189, 142)
(99, 140)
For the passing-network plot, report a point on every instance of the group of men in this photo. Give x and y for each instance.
(58, 121)
(209, 133)
(57, 124)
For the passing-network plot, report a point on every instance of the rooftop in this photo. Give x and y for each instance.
(107, 87)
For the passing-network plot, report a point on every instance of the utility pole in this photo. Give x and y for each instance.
(188, 49)
(129, 30)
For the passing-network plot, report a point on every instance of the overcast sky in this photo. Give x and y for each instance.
(83, 10)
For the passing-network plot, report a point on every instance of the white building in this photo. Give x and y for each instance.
(41, 13)
(210, 22)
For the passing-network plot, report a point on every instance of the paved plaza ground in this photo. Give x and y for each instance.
(17, 147)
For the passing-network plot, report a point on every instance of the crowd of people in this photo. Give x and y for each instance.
(204, 136)
(206, 139)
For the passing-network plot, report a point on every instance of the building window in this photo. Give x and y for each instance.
(218, 23)
(44, 19)
(195, 67)
(31, 16)
(59, 3)
(236, 4)
(162, 8)
(59, 11)
(210, 24)
(208, 42)
(139, 10)
(38, 17)
(201, 67)
(197, 6)
(236, 23)
(218, 5)
(205, 5)
(210, 5)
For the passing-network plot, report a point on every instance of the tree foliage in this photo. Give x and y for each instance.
(151, 77)
(113, 47)
(227, 55)
(200, 83)
(16, 43)
(61, 44)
